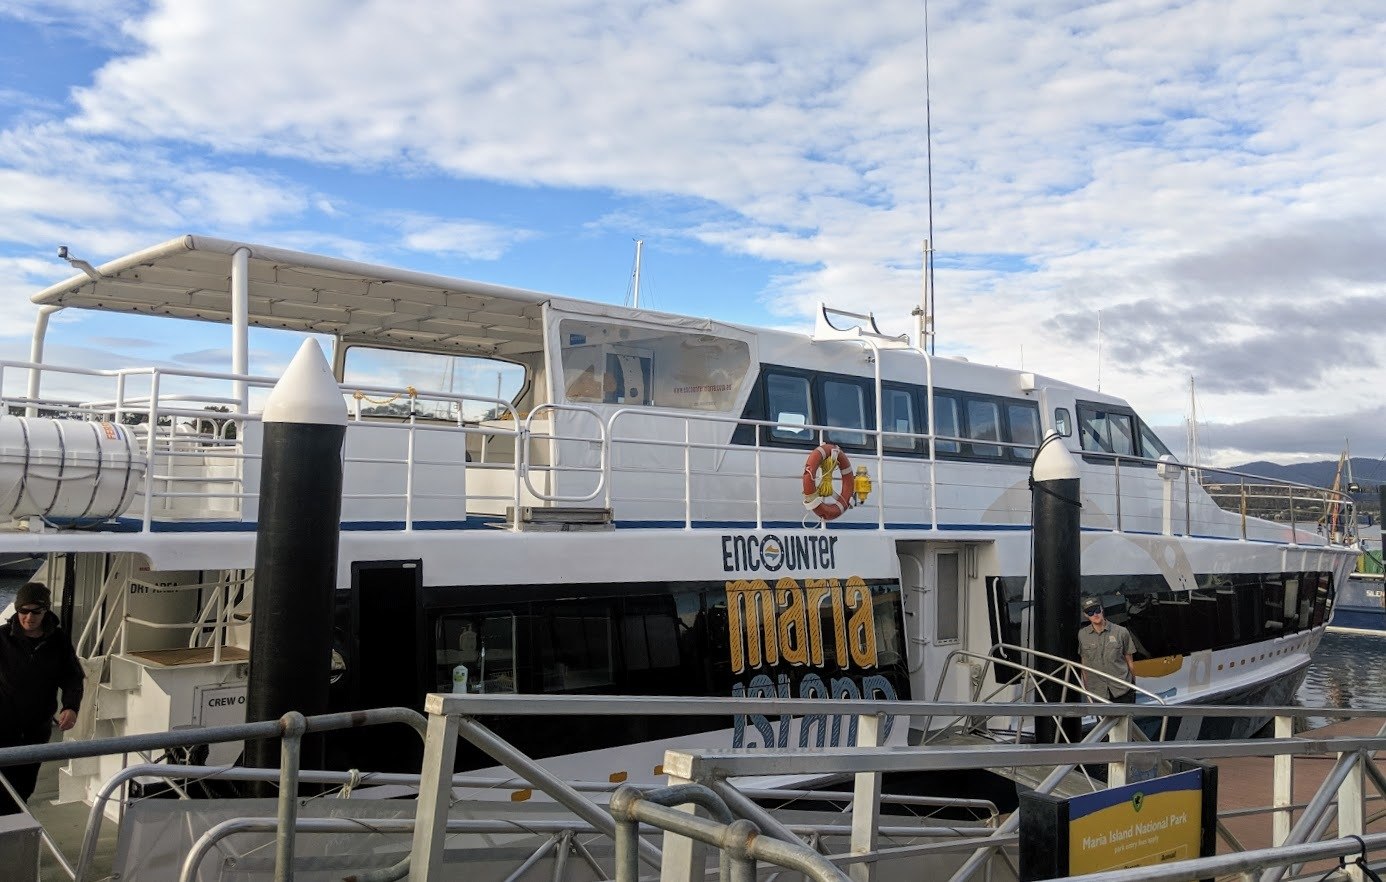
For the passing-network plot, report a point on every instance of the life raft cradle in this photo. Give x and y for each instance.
(819, 497)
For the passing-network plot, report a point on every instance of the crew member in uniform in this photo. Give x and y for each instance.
(36, 660)
(1107, 647)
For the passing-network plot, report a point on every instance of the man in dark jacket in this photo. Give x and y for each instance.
(36, 660)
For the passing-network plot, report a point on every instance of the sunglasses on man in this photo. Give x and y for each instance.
(32, 610)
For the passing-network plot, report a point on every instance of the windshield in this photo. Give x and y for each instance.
(449, 386)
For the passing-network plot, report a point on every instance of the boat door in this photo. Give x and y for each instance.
(386, 655)
(933, 581)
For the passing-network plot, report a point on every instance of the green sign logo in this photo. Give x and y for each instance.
(1137, 800)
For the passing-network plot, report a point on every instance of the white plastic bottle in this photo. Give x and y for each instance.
(459, 680)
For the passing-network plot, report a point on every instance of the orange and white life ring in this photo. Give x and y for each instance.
(818, 482)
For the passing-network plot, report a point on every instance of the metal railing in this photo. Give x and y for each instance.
(450, 715)
(1342, 792)
(1024, 682)
(107, 627)
(290, 729)
(194, 468)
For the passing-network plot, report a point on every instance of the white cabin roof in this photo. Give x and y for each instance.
(190, 277)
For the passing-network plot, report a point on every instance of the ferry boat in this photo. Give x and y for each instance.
(568, 497)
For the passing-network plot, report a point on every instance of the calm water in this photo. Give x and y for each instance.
(1346, 671)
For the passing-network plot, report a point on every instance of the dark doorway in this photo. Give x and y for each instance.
(385, 663)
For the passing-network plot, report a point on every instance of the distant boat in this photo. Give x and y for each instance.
(1361, 602)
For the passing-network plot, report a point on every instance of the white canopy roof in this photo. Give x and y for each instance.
(190, 277)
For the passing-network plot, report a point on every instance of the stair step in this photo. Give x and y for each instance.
(560, 517)
(111, 703)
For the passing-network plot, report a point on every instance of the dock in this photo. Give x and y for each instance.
(856, 834)
(1246, 789)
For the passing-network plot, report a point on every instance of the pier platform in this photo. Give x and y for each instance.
(1246, 784)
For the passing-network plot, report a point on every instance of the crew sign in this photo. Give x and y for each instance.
(1157, 821)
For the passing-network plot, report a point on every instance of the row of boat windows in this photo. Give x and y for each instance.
(675, 643)
(797, 400)
(1224, 611)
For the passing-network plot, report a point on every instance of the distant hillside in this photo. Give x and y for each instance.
(1367, 473)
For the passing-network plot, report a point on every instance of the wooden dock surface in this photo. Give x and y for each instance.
(1248, 782)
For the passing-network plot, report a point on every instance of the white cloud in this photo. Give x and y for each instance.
(97, 21)
(1203, 171)
(471, 239)
(105, 197)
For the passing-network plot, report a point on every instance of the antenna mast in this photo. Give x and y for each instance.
(1193, 426)
(929, 313)
(1099, 350)
(635, 275)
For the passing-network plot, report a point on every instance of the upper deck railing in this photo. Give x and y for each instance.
(642, 464)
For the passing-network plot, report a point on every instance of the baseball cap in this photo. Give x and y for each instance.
(1091, 606)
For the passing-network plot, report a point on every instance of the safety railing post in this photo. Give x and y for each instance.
(290, 752)
(1243, 507)
(760, 495)
(1188, 504)
(741, 866)
(435, 795)
(687, 479)
(410, 449)
(866, 802)
(1351, 814)
(627, 859)
(1283, 785)
(149, 451)
(1116, 770)
(1116, 481)
(1294, 523)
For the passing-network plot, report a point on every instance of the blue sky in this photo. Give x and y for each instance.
(1204, 174)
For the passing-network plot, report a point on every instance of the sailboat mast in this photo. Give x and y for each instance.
(635, 284)
(1193, 424)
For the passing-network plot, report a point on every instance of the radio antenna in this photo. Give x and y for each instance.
(929, 317)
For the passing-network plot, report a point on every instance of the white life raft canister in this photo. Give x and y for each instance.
(67, 469)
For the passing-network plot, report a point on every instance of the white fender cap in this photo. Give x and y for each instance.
(307, 392)
(1055, 462)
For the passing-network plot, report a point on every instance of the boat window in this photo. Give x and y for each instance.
(1105, 431)
(844, 404)
(984, 424)
(945, 423)
(788, 403)
(1025, 428)
(1226, 610)
(1151, 445)
(1323, 591)
(890, 643)
(575, 647)
(483, 644)
(650, 640)
(948, 598)
(446, 384)
(1291, 604)
(1203, 619)
(1061, 422)
(650, 367)
(900, 415)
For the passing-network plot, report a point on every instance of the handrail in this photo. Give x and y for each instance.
(1032, 675)
(525, 466)
(162, 487)
(290, 728)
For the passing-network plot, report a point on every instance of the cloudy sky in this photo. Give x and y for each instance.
(1203, 179)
